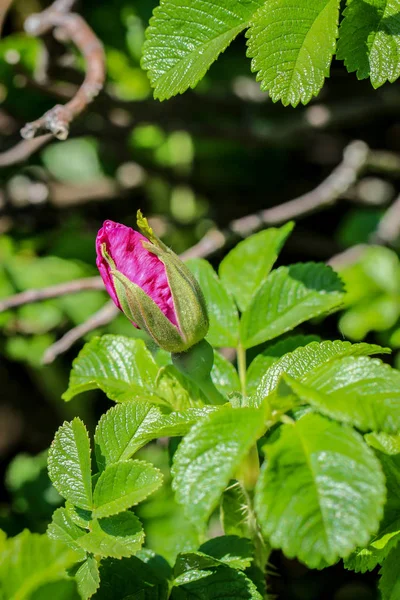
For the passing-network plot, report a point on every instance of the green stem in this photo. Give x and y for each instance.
(210, 391)
(196, 364)
(241, 361)
(262, 550)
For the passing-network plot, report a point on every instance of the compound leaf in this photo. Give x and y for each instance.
(321, 492)
(126, 427)
(209, 456)
(234, 551)
(292, 45)
(271, 355)
(186, 36)
(64, 529)
(88, 578)
(69, 463)
(218, 584)
(130, 578)
(369, 40)
(307, 358)
(245, 268)
(224, 375)
(289, 296)
(121, 367)
(358, 390)
(116, 536)
(122, 485)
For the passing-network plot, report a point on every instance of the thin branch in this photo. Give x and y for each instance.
(347, 257)
(355, 160)
(4, 6)
(53, 291)
(388, 230)
(102, 317)
(23, 150)
(68, 26)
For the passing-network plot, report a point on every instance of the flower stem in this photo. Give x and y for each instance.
(210, 391)
(241, 361)
(196, 364)
(262, 549)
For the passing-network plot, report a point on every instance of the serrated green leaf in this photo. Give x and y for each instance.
(123, 485)
(369, 40)
(271, 355)
(193, 561)
(156, 562)
(388, 536)
(63, 528)
(88, 577)
(69, 463)
(362, 391)
(220, 583)
(222, 312)
(292, 47)
(116, 536)
(209, 456)
(321, 491)
(31, 560)
(384, 442)
(306, 359)
(224, 375)
(235, 511)
(175, 390)
(234, 551)
(366, 559)
(230, 550)
(289, 296)
(186, 36)
(79, 516)
(124, 578)
(121, 367)
(126, 427)
(245, 268)
(389, 584)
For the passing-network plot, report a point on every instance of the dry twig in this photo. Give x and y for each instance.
(68, 26)
(388, 230)
(107, 313)
(343, 177)
(23, 150)
(4, 6)
(53, 291)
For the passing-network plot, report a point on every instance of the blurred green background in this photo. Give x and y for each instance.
(195, 162)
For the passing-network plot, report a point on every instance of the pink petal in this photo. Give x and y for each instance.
(124, 245)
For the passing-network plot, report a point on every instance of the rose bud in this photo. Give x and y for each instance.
(151, 285)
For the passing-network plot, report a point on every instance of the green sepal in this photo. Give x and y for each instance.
(142, 310)
(189, 303)
(148, 232)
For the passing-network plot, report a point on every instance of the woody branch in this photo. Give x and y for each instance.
(72, 27)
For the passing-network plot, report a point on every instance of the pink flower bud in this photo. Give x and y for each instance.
(151, 285)
(124, 246)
